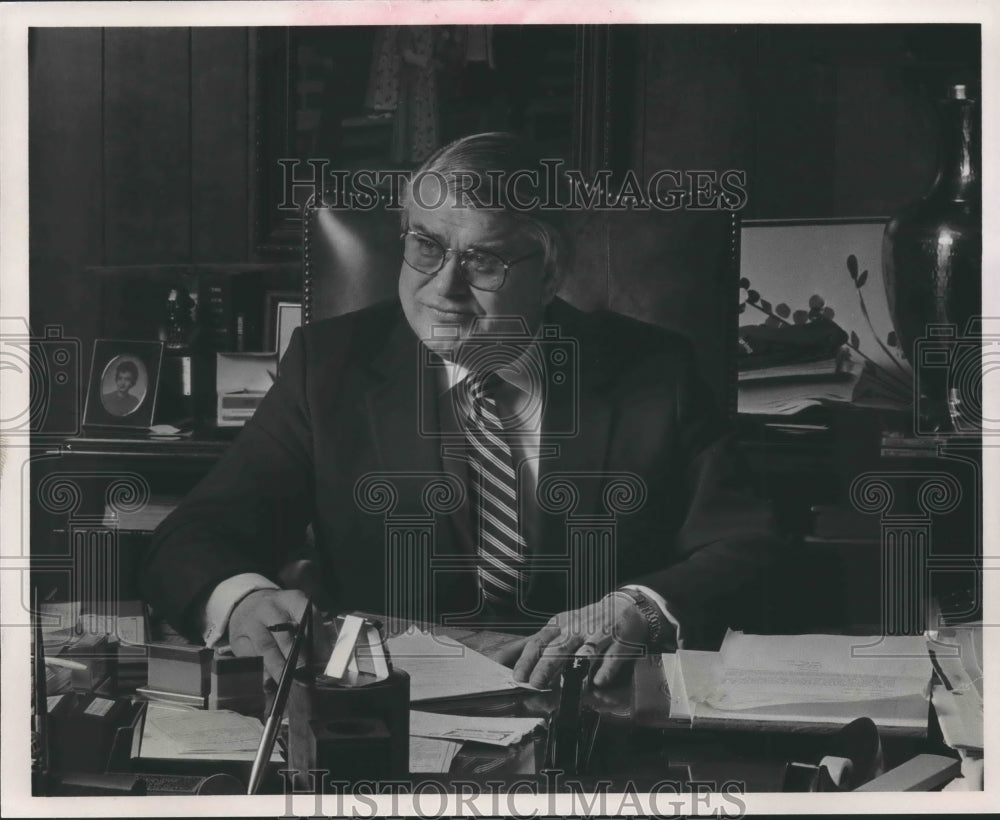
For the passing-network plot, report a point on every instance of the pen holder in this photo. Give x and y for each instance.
(350, 733)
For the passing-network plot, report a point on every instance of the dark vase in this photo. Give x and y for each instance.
(932, 260)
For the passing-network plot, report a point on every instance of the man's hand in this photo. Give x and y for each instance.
(612, 630)
(250, 619)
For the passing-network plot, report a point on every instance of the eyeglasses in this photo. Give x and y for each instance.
(482, 270)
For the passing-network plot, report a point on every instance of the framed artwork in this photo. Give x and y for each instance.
(123, 383)
(814, 320)
(289, 317)
(342, 98)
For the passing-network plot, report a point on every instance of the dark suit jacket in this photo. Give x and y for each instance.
(354, 400)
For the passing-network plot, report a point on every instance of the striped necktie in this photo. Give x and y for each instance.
(501, 547)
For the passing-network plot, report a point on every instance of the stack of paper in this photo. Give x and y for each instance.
(796, 682)
(496, 731)
(958, 700)
(175, 733)
(441, 668)
(431, 754)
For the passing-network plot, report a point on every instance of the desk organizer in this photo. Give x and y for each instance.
(205, 678)
(236, 683)
(351, 732)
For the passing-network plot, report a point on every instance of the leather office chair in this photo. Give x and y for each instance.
(350, 259)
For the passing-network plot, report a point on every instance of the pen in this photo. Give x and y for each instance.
(41, 696)
(278, 705)
(285, 627)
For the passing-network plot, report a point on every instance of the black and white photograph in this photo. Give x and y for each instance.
(123, 382)
(491, 409)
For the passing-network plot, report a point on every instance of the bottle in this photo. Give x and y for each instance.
(176, 403)
(932, 261)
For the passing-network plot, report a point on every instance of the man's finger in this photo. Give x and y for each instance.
(509, 652)
(553, 658)
(612, 661)
(263, 644)
(532, 652)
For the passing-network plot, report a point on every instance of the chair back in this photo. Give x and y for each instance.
(351, 258)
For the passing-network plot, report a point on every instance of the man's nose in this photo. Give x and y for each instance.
(449, 280)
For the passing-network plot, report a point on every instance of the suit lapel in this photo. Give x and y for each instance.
(577, 424)
(404, 419)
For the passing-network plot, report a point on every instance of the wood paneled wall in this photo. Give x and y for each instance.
(141, 154)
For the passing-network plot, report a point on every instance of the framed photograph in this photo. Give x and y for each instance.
(814, 319)
(273, 298)
(289, 317)
(124, 378)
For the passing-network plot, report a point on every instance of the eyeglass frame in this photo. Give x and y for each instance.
(461, 264)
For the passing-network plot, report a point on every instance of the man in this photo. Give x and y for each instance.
(539, 423)
(120, 401)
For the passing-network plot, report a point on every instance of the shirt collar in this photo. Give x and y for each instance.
(517, 375)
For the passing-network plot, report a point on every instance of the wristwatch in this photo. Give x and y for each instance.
(658, 625)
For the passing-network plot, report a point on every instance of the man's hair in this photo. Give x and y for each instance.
(127, 367)
(498, 165)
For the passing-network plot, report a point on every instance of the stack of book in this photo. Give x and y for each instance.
(784, 389)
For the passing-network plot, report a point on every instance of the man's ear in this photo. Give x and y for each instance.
(552, 282)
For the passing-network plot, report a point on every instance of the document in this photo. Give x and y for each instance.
(496, 731)
(958, 699)
(441, 668)
(432, 755)
(793, 683)
(177, 733)
(774, 670)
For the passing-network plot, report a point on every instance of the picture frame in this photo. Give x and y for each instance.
(288, 317)
(123, 384)
(791, 273)
(328, 119)
(790, 262)
(273, 298)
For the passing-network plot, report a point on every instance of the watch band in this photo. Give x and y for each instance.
(657, 624)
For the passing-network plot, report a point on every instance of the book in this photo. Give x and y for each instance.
(812, 369)
(816, 683)
(232, 307)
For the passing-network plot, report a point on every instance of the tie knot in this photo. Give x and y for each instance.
(483, 385)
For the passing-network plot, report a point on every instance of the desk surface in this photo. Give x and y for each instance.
(637, 746)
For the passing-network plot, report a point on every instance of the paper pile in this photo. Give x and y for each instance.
(496, 731)
(958, 700)
(176, 733)
(803, 681)
(432, 755)
(441, 668)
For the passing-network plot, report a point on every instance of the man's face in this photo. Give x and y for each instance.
(124, 381)
(446, 301)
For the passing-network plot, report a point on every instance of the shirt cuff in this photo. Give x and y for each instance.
(224, 599)
(658, 599)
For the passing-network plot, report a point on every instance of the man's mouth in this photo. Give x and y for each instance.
(449, 311)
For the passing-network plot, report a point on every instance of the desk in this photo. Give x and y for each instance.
(799, 472)
(636, 744)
